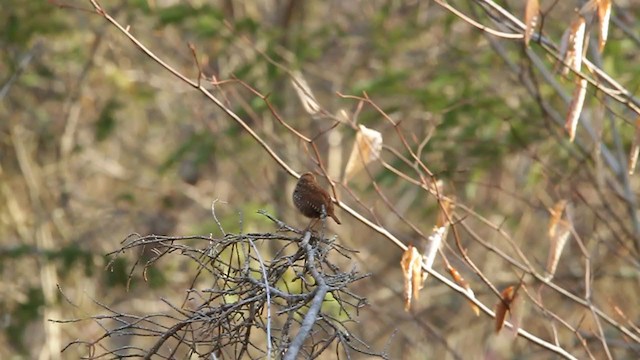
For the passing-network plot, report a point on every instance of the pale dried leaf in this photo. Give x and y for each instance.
(366, 148)
(575, 108)
(412, 275)
(557, 245)
(305, 95)
(635, 149)
(604, 14)
(576, 42)
(462, 282)
(405, 264)
(418, 276)
(556, 214)
(433, 245)
(559, 232)
(572, 56)
(531, 17)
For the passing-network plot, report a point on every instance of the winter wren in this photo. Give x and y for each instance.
(309, 198)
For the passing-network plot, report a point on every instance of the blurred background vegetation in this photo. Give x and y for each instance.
(98, 142)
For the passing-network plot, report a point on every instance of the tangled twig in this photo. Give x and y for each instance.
(299, 291)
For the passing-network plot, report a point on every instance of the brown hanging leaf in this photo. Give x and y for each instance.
(432, 247)
(557, 245)
(572, 56)
(366, 149)
(411, 264)
(462, 282)
(604, 14)
(504, 305)
(559, 231)
(575, 108)
(418, 275)
(305, 95)
(635, 149)
(576, 42)
(556, 214)
(531, 17)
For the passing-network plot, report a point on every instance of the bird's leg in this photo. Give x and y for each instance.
(323, 214)
(323, 217)
(312, 223)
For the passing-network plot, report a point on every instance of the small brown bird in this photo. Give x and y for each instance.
(309, 198)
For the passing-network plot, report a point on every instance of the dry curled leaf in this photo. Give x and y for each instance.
(556, 215)
(433, 245)
(412, 273)
(604, 14)
(575, 108)
(508, 295)
(635, 149)
(305, 95)
(366, 149)
(462, 282)
(531, 17)
(572, 46)
(559, 231)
